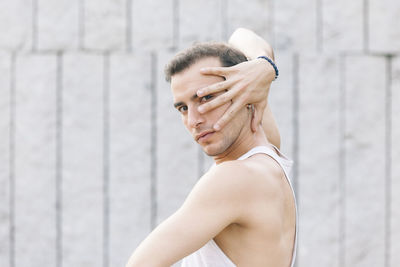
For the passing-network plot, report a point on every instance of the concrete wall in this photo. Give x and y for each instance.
(93, 156)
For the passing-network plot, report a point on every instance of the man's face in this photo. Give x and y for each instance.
(184, 86)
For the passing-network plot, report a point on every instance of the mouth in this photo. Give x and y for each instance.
(204, 136)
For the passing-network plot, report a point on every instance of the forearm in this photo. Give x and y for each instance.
(251, 44)
(162, 247)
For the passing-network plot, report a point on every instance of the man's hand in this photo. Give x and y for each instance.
(247, 82)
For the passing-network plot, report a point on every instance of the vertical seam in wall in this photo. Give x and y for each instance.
(295, 114)
(34, 24)
(342, 162)
(296, 122)
(388, 160)
(319, 26)
(106, 159)
(224, 15)
(175, 24)
(153, 145)
(59, 153)
(129, 23)
(272, 22)
(296, 129)
(82, 24)
(12, 159)
(366, 25)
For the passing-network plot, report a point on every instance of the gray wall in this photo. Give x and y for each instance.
(93, 156)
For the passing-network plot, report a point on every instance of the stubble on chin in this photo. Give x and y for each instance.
(216, 149)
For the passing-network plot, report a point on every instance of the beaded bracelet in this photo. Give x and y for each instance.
(273, 65)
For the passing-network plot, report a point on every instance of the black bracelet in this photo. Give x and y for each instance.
(273, 65)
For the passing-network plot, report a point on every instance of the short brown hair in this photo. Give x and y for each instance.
(228, 56)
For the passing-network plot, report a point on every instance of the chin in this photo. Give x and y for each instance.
(210, 153)
(213, 149)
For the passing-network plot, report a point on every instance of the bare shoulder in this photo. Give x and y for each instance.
(255, 174)
(241, 184)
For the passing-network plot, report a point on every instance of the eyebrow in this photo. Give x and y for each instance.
(180, 103)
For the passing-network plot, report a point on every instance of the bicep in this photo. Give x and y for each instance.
(203, 215)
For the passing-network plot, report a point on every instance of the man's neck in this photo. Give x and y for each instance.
(246, 141)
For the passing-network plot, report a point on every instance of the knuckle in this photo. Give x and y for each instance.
(242, 100)
(212, 105)
(211, 70)
(223, 121)
(242, 90)
(212, 89)
(205, 106)
(225, 98)
(220, 86)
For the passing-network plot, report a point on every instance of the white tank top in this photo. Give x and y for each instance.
(210, 255)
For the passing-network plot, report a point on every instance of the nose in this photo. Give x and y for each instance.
(195, 118)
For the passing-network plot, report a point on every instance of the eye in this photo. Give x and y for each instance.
(206, 98)
(182, 109)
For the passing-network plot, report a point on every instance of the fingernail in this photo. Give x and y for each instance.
(217, 127)
(199, 92)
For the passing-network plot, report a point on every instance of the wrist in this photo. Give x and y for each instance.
(272, 63)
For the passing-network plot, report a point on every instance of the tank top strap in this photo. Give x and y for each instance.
(274, 153)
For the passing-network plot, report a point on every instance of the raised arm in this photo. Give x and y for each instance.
(247, 83)
(254, 46)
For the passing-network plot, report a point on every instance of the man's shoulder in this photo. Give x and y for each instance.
(259, 173)
(236, 188)
(256, 167)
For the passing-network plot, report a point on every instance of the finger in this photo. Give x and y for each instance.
(218, 101)
(214, 88)
(219, 71)
(231, 94)
(228, 115)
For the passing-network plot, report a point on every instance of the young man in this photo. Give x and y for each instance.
(242, 211)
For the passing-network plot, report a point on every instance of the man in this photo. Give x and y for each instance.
(242, 211)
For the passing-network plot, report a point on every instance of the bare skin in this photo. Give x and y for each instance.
(246, 206)
(248, 82)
